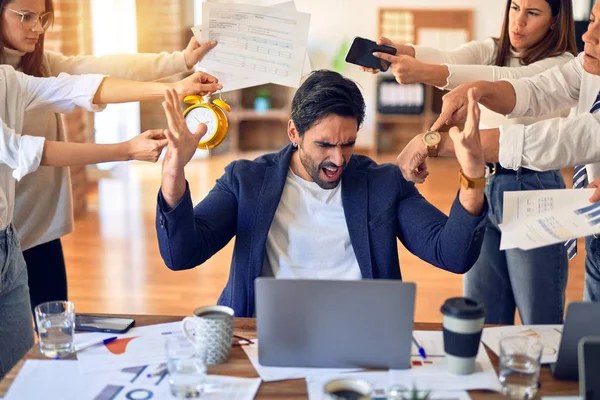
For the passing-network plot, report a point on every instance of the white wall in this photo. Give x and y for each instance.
(332, 21)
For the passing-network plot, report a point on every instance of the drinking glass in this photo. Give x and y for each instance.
(56, 327)
(520, 366)
(186, 363)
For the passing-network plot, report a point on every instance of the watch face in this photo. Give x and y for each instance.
(202, 115)
(431, 138)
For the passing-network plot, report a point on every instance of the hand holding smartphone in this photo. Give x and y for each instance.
(361, 53)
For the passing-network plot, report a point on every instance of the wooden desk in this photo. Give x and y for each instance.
(239, 365)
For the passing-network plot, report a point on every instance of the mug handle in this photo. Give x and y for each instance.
(191, 338)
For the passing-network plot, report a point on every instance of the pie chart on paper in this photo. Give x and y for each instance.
(119, 346)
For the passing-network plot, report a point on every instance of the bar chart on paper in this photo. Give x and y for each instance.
(539, 218)
(143, 346)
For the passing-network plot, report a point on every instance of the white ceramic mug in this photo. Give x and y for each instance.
(213, 325)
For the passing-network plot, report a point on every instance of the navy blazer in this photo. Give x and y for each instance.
(379, 205)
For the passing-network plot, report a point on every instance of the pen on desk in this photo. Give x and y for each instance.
(421, 350)
(159, 371)
(85, 345)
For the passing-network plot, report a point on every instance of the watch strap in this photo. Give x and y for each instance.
(471, 183)
(432, 151)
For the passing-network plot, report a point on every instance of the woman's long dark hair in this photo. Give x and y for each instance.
(31, 63)
(559, 40)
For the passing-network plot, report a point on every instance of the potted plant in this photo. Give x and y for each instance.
(262, 101)
(399, 392)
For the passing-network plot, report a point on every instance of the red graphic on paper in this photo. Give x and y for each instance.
(119, 346)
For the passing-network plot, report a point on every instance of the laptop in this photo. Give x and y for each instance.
(583, 319)
(334, 324)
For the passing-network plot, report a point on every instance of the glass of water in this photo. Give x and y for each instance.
(56, 326)
(520, 366)
(186, 363)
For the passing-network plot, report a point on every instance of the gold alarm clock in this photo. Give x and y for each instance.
(212, 114)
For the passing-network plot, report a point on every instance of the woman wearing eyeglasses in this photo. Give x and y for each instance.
(40, 224)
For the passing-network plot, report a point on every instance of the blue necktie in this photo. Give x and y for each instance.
(580, 181)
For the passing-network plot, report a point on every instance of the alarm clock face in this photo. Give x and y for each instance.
(202, 115)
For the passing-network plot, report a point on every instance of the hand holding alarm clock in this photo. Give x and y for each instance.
(207, 121)
(210, 114)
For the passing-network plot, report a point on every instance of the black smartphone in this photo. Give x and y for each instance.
(100, 323)
(361, 53)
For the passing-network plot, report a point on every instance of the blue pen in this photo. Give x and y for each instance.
(421, 350)
(85, 345)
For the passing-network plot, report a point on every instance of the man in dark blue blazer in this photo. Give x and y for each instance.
(314, 210)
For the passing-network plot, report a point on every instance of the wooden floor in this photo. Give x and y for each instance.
(114, 265)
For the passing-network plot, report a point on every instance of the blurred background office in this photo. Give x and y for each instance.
(112, 257)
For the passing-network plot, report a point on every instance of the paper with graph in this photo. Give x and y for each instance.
(539, 218)
(62, 380)
(549, 335)
(232, 82)
(265, 43)
(140, 346)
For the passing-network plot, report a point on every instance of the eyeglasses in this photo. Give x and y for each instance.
(30, 19)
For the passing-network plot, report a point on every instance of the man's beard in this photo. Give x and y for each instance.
(314, 171)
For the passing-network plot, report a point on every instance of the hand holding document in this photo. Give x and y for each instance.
(267, 44)
(539, 218)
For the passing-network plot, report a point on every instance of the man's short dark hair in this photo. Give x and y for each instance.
(325, 93)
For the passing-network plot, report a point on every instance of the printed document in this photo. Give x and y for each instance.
(539, 218)
(265, 43)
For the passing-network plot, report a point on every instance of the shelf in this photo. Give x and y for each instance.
(251, 115)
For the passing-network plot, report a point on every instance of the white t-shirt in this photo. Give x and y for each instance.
(21, 154)
(309, 237)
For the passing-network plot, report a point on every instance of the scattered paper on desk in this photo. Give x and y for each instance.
(272, 374)
(380, 383)
(169, 327)
(140, 346)
(549, 335)
(133, 383)
(264, 43)
(430, 341)
(433, 375)
(61, 380)
(539, 218)
(47, 379)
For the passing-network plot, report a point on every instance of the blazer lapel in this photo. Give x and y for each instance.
(355, 201)
(268, 200)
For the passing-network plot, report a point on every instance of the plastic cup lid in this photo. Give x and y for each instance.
(463, 308)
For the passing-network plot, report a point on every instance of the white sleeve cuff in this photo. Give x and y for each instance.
(31, 149)
(522, 98)
(510, 151)
(428, 55)
(85, 90)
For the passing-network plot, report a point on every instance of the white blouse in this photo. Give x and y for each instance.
(474, 61)
(21, 154)
(37, 224)
(555, 143)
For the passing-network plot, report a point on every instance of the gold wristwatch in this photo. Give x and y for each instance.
(432, 140)
(471, 183)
